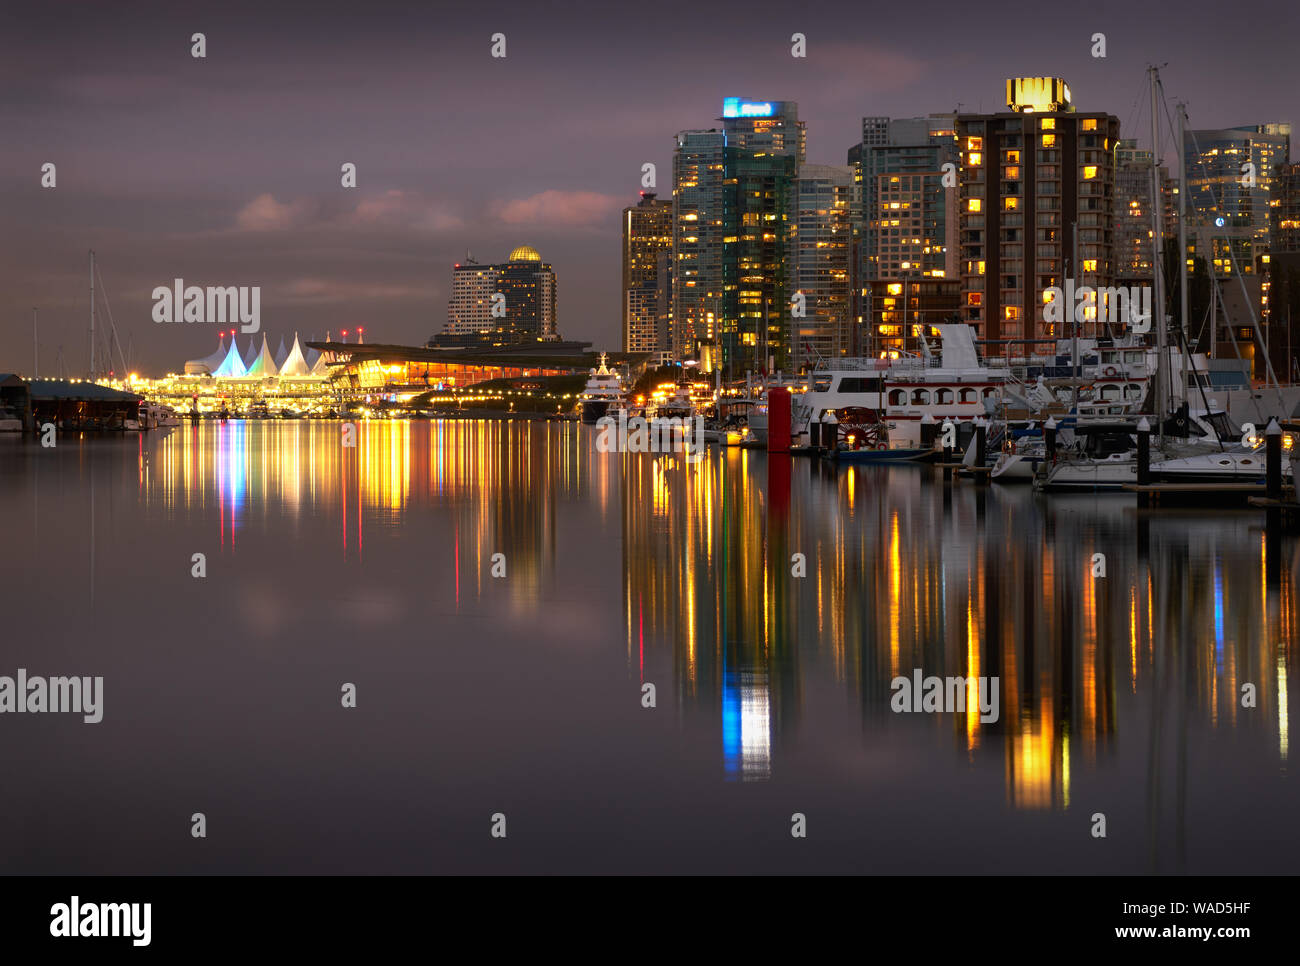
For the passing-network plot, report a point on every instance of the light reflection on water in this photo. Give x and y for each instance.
(1126, 678)
(900, 575)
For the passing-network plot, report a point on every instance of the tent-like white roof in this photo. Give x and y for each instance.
(263, 364)
(281, 354)
(232, 367)
(320, 368)
(294, 364)
(209, 364)
(251, 354)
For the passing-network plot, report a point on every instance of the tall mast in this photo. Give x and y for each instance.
(36, 349)
(92, 315)
(1157, 255)
(1182, 220)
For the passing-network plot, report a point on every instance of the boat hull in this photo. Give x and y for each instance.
(592, 410)
(1098, 477)
(1016, 468)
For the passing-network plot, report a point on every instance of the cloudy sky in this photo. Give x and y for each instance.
(225, 170)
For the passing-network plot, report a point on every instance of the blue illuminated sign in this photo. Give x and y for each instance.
(739, 107)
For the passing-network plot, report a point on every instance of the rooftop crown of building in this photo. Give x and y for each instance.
(524, 253)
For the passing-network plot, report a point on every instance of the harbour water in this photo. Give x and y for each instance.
(522, 694)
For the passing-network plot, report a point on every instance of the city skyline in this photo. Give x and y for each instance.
(225, 170)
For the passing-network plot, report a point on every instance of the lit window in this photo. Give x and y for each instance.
(895, 288)
(1011, 204)
(1047, 124)
(973, 205)
(974, 159)
(1012, 173)
(1090, 264)
(1089, 172)
(1089, 124)
(974, 144)
(1049, 140)
(1013, 157)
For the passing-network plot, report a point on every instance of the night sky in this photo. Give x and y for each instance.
(225, 171)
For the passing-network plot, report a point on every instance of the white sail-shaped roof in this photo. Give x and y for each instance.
(251, 354)
(209, 364)
(294, 364)
(232, 367)
(281, 353)
(320, 368)
(264, 363)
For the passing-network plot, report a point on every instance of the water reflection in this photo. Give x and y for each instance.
(904, 573)
(901, 572)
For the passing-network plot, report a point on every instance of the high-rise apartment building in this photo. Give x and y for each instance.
(698, 191)
(733, 198)
(908, 224)
(1284, 207)
(1031, 181)
(1230, 180)
(825, 199)
(525, 311)
(647, 277)
(1134, 234)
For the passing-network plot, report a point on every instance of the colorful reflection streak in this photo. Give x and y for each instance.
(903, 574)
(899, 573)
(495, 483)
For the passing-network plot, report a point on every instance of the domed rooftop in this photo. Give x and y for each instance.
(525, 253)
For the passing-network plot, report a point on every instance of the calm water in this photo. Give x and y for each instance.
(522, 694)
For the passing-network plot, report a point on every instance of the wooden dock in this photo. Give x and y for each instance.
(1153, 494)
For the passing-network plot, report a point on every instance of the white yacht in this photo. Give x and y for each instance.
(9, 421)
(602, 392)
(946, 380)
(1233, 465)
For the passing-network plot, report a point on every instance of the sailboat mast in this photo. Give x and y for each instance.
(1182, 221)
(1157, 254)
(92, 315)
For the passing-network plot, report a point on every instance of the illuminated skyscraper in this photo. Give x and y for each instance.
(698, 192)
(527, 312)
(647, 277)
(1133, 231)
(733, 198)
(1230, 179)
(823, 275)
(908, 217)
(1028, 179)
